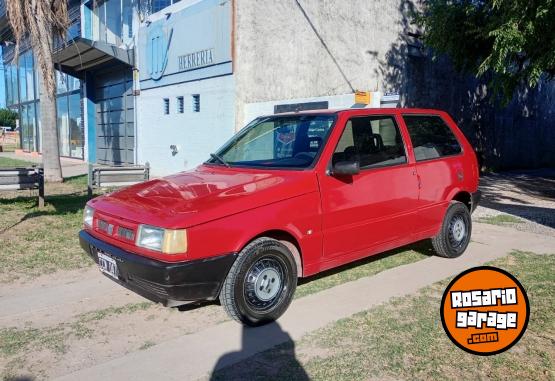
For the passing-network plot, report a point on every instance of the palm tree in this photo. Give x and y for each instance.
(40, 21)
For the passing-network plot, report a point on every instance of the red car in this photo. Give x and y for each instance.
(288, 196)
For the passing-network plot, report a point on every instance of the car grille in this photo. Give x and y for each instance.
(115, 228)
(105, 227)
(125, 233)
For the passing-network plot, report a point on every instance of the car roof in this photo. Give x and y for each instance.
(387, 110)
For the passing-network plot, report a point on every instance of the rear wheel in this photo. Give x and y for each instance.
(261, 283)
(454, 236)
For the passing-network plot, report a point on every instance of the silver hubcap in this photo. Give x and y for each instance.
(264, 283)
(458, 229)
(267, 284)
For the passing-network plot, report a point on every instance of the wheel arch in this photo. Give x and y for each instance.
(464, 197)
(289, 241)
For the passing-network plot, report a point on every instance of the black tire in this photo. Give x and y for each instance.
(450, 242)
(267, 265)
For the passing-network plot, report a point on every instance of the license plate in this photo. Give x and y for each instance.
(107, 265)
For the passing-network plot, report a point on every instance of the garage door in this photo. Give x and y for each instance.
(115, 130)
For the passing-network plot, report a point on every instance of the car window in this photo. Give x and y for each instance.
(372, 141)
(279, 142)
(431, 137)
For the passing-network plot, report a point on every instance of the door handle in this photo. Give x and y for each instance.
(415, 173)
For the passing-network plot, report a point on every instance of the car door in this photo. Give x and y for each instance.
(439, 165)
(378, 204)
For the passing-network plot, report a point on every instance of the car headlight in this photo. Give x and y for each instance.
(166, 241)
(88, 215)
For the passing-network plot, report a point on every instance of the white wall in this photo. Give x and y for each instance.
(195, 134)
(253, 110)
(279, 56)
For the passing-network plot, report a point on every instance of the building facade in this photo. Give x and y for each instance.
(186, 106)
(22, 94)
(168, 81)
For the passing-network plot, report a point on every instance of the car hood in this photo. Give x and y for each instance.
(203, 194)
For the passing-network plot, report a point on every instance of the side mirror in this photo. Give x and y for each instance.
(346, 168)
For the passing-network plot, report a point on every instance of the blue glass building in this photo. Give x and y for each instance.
(94, 80)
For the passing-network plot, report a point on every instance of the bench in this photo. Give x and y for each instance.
(23, 178)
(9, 140)
(103, 176)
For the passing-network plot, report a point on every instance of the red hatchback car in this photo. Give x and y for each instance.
(288, 196)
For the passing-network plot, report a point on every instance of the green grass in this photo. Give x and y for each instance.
(9, 162)
(37, 241)
(17, 345)
(17, 341)
(500, 219)
(404, 339)
(14, 341)
(81, 327)
(77, 181)
(147, 344)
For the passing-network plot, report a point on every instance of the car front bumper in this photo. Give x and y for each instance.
(171, 284)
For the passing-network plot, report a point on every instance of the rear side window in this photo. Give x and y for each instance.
(431, 137)
(373, 141)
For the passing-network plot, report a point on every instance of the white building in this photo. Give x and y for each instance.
(208, 67)
(169, 81)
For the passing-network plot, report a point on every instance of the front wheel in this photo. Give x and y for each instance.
(261, 283)
(454, 235)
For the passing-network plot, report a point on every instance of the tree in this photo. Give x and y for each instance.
(7, 117)
(513, 41)
(40, 21)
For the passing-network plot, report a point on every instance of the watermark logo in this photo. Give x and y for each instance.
(485, 310)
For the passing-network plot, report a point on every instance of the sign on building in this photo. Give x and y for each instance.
(186, 46)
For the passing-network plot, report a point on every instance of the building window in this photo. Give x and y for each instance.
(180, 105)
(158, 5)
(112, 21)
(196, 103)
(22, 96)
(166, 106)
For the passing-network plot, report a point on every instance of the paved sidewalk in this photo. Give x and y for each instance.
(70, 167)
(195, 356)
(53, 304)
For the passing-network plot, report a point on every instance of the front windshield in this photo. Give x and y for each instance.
(277, 141)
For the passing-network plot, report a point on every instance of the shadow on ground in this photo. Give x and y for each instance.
(536, 183)
(60, 205)
(284, 365)
(528, 195)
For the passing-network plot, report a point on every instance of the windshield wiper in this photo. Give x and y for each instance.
(220, 159)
